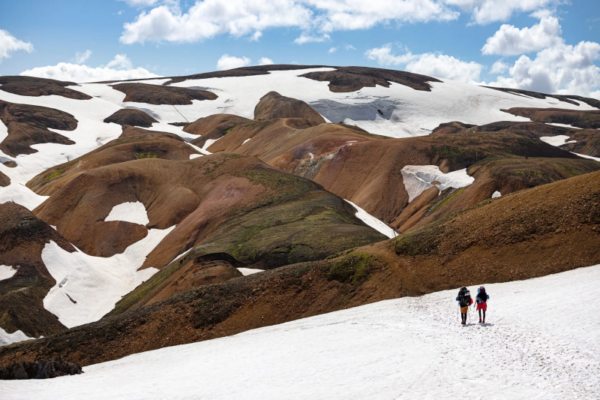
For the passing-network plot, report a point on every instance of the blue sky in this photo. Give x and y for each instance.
(544, 45)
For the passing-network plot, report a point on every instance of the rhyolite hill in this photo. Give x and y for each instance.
(143, 214)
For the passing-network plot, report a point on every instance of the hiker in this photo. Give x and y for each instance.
(481, 299)
(464, 301)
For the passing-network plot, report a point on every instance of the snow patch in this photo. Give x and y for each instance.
(7, 271)
(93, 285)
(9, 338)
(588, 157)
(246, 141)
(418, 178)
(496, 194)
(134, 212)
(557, 140)
(192, 156)
(373, 222)
(249, 271)
(562, 125)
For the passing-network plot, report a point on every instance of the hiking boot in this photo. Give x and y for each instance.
(479, 320)
(463, 322)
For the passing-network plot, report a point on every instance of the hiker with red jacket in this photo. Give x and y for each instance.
(464, 301)
(481, 299)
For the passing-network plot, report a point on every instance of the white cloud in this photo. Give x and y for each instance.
(488, 11)
(120, 68)
(383, 55)
(265, 61)
(511, 41)
(80, 58)
(209, 18)
(432, 64)
(9, 43)
(560, 69)
(230, 62)
(304, 38)
(140, 3)
(499, 67)
(557, 68)
(257, 35)
(333, 49)
(349, 47)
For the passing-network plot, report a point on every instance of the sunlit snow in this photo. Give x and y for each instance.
(538, 343)
(373, 222)
(6, 272)
(88, 287)
(130, 212)
(418, 178)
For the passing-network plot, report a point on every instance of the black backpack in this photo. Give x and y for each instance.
(464, 297)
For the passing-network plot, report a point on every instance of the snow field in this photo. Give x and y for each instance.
(496, 194)
(134, 212)
(88, 287)
(373, 222)
(539, 343)
(418, 178)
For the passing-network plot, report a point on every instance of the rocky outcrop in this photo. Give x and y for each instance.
(351, 79)
(156, 94)
(4, 180)
(29, 125)
(131, 116)
(273, 105)
(30, 86)
(41, 369)
(579, 119)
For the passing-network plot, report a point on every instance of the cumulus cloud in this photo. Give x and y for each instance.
(140, 3)
(304, 38)
(511, 41)
(265, 61)
(437, 65)
(80, 58)
(209, 18)
(499, 67)
(120, 68)
(556, 68)
(9, 43)
(229, 62)
(488, 11)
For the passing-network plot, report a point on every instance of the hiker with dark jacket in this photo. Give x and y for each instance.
(464, 301)
(481, 299)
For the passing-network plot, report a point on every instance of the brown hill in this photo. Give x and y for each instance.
(366, 169)
(22, 239)
(131, 116)
(133, 144)
(30, 86)
(213, 127)
(273, 105)
(156, 94)
(259, 214)
(29, 125)
(543, 230)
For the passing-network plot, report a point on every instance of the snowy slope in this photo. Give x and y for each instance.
(540, 343)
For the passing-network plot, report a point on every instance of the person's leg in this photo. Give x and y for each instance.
(483, 316)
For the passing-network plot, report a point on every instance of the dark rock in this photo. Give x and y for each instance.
(43, 369)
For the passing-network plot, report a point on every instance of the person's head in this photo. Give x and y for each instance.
(481, 289)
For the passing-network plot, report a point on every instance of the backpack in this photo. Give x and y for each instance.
(464, 297)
